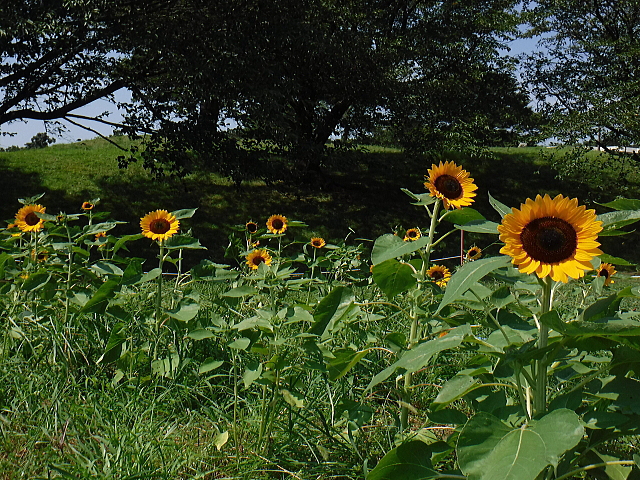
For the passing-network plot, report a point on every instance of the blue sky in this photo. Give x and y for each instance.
(24, 131)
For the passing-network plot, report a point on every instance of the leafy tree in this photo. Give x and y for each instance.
(585, 75)
(40, 140)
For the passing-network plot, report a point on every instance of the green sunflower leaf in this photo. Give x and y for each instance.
(393, 277)
(499, 207)
(184, 213)
(623, 204)
(409, 461)
(463, 215)
(391, 246)
(420, 198)
(479, 226)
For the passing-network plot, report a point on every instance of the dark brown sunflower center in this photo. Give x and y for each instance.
(31, 219)
(277, 224)
(437, 275)
(549, 239)
(412, 234)
(603, 273)
(160, 226)
(449, 186)
(258, 260)
(252, 227)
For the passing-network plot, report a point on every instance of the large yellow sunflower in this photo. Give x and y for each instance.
(27, 220)
(277, 224)
(255, 258)
(159, 225)
(439, 274)
(412, 235)
(551, 237)
(451, 184)
(606, 270)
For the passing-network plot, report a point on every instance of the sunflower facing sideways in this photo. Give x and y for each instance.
(451, 184)
(277, 224)
(159, 225)
(551, 237)
(606, 270)
(412, 235)
(474, 253)
(27, 220)
(440, 275)
(255, 258)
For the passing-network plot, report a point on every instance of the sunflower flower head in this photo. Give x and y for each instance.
(256, 257)
(27, 220)
(317, 242)
(474, 253)
(277, 224)
(86, 206)
(39, 256)
(606, 270)
(412, 235)
(451, 184)
(440, 275)
(252, 227)
(159, 225)
(551, 237)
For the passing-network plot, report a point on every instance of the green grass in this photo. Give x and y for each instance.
(358, 190)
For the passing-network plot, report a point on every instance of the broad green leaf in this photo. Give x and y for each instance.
(499, 207)
(106, 268)
(618, 219)
(100, 299)
(463, 215)
(623, 204)
(614, 472)
(123, 240)
(419, 356)
(98, 228)
(393, 277)
(479, 226)
(292, 398)
(36, 281)
(490, 450)
(186, 309)
(240, 343)
(166, 367)
(469, 274)
(113, 350)
(409, 461)
(221, 439)
(184, 213)
(454, 389)
(251, 373)
(183, 242)
(150, 275)
(201, 334)
(420, 198)
(391, 246)
(343, 361)
(604, 258)
(448, 416)
(604, 327)
(332, 309)
(209, 364)
(241, 291)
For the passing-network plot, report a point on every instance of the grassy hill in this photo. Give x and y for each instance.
(361, 192)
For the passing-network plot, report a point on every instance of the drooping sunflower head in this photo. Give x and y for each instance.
(551, 237)
(27, 220)
(277, 224)
(317, 242)
(606, 270)
(159, 225)
(474, 253)
(412, 235)
(252, 227)
(440, 275)
(86, 206)
(255, 258)
(451, 184)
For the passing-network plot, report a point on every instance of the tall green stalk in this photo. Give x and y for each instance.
(159, 288)
(540, 390)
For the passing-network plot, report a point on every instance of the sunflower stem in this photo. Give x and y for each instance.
(159, 287)
(540, 396)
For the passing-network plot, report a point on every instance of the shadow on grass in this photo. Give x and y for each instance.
(358, 195)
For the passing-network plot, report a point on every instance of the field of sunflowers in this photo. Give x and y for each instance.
(302, 357)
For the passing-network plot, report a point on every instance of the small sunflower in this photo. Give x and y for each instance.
(474, 253)
(27, 220)
(101, 235)
(255, 258)
(412, 235)
(86, 206)
(277, 224)
(451, 184)
(252, 227)
(606, 270)
(317, 242)
(40, 256)
(439, 274)
(159, 225)
(551, 237)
